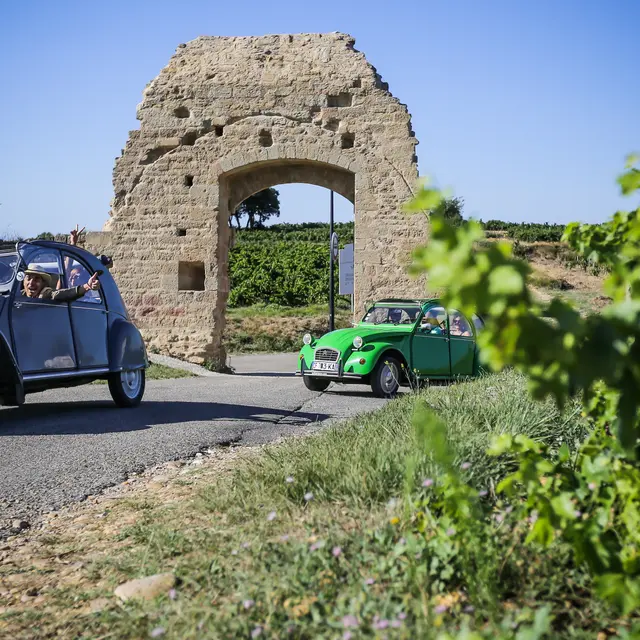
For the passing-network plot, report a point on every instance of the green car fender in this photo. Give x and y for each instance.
(305, 358)
(371, 353)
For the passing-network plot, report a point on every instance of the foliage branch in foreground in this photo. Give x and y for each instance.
(592, 500)
(561, 351)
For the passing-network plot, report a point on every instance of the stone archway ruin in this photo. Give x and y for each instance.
(226, 118)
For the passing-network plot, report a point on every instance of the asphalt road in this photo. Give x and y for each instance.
(65, 444)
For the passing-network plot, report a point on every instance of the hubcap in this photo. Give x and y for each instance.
(389, 378)
(131, 381)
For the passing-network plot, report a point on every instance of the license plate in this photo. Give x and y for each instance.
(324, 366)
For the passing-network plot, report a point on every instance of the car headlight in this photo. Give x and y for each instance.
(307, 339)
(358, 342)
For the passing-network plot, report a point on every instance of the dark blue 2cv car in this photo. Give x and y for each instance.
(47, 343)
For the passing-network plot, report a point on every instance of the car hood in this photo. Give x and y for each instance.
(342, 339)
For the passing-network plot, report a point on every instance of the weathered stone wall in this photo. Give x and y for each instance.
(226, 118)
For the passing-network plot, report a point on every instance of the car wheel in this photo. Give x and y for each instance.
(385, 378)
(315, 384)
(127, 387)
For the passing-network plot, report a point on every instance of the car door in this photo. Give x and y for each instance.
(462, 344)
(430, 344)
(88, 317)
(41, 329)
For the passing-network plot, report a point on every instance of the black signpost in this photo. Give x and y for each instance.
(332, 252)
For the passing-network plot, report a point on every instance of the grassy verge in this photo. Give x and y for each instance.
(272, 328)
(322, 538)
(160, 372)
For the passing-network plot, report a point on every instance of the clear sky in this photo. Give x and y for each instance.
(525, 108)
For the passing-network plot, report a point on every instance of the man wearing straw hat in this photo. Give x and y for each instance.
(38, 284)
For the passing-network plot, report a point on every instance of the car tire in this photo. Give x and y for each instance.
(385, 378)
(127, 387)
(315, 384)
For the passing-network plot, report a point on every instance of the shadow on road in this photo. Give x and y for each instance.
(77, 418)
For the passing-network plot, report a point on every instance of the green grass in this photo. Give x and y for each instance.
(279, 311)
(160, 372)
(354, 550)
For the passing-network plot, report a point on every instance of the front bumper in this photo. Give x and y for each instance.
(340, 375)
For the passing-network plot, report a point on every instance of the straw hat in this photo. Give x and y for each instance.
(39, 270)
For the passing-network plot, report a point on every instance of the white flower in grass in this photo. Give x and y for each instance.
(350, 621)
(427, 482)
(308, 496)
(157, 632)
(465, 465)
(247, 604)
(257, 632)
(271, 517)
(289, 479)
(336, 551)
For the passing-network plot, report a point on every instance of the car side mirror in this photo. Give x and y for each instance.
(20, 276)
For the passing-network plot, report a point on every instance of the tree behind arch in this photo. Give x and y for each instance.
(257, 209)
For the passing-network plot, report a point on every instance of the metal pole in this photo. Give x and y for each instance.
(331, 307)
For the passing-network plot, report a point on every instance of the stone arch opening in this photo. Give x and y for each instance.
(242, 182)
(225, 118)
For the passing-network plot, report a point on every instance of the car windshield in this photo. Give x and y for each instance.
(391, 314)
(8, 262)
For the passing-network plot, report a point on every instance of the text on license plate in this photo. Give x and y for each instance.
(324, 366)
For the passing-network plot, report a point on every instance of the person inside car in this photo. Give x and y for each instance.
(431, 324)
(459, 326)
(38, 284)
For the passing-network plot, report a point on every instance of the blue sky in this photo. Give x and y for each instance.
(526, 109)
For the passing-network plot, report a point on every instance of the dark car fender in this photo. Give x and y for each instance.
(126, 347)
(9, 370)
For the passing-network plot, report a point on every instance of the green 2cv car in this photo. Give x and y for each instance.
(393, 338)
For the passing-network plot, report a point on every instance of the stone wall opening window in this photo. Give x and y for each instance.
(191, 276)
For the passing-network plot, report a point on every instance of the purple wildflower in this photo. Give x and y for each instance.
(336, 551)
(245, 545)
(483, 493)
(381, 624)
(509, 509)
(350, 622)
(347, 635)
(396, 624)
(441, 608)
(427, 482)
(369, 581)
(402, 616)
(256, 632)
(578, 514)
(284, 538)
(450, 531)
(592, 486)
(315, 546)
(157, 632)
(469, 608)
(465, 465)
(247, 604)
(499, 517)
(308, 496)
(173, 594)
(270, 517)
(402, 541)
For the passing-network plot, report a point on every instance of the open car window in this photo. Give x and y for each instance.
(76, 274)
(47, 259)
(458, 325)
(391, 315)
(434, 321)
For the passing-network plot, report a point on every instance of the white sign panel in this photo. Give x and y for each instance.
(346, 270)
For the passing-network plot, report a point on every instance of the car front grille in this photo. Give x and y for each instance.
(326, 355)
